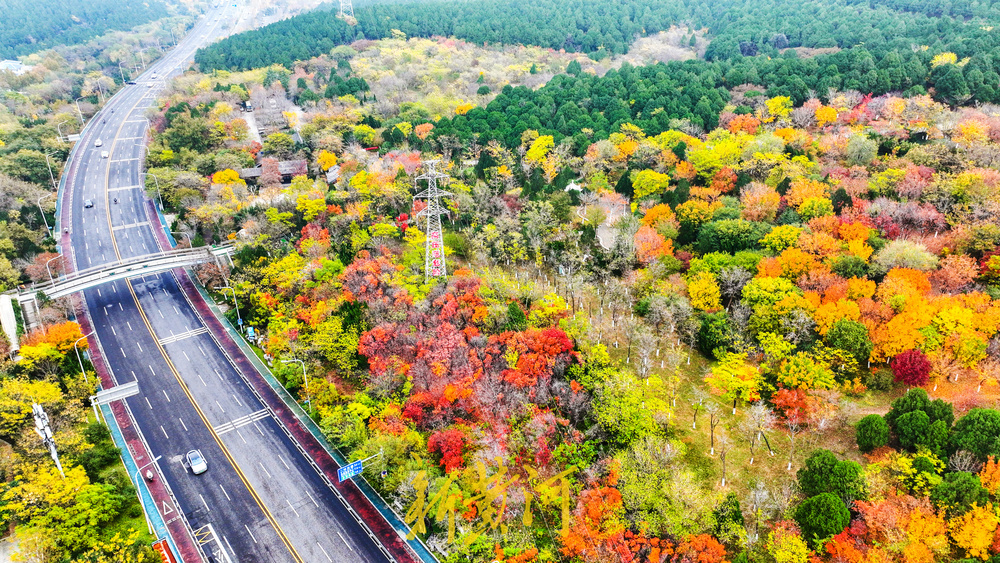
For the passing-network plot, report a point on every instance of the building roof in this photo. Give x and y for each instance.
(285, 168)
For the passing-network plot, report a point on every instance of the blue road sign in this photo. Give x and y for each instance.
(349, 470)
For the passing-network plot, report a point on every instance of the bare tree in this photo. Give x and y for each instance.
(714, 418)
(964, 460)
(698, 397)
(645, 347)
(724, 445)
(747, 428)
(760, 504)
(672, 386)
(764, 419)
(793, 426)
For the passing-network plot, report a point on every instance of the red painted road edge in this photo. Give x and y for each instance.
(396, 545)
(189, 553)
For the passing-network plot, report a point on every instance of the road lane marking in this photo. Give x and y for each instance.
(251, 533)
(241, 421)
(165, 394)
(224, 491)
(312, 499)
(220, 406)
(283, 462)
(151, 370)
(262, 467)
(207, 509)
(328, 558)
(139, 345)
(129, 325)
(202, 351)
(99, 292)
(164, 432)
(123, 352)
(188, 334)
(341, 539)
(258, 429)
(241, 436)
(220, 375)
(148, 403)
(182, 423)
(113, 331)
(185, 355)
(292, 507)
(202, 380)
(161, 313)
(237, 400)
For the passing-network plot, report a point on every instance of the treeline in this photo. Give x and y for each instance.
(737, 27)
(652, 96)
(28, 27)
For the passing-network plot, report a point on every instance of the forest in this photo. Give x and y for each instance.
(28, 27)
(737, 28)
(684, 321)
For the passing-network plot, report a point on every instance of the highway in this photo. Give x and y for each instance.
(263, 497)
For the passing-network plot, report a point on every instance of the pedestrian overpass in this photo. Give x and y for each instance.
(98, 275)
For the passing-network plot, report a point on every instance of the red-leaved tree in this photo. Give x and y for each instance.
(911, 367)
(449, 444)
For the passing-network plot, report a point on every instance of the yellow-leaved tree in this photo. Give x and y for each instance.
(704, 292)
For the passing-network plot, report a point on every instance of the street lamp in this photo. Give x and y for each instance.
(149, 475)
(39, 203)
(52, 178)
(224, 288)
(304, 378)
(157, 180)
(80, 113)
(122, 72)
(47, 267)
(78, 358)
(59, 129)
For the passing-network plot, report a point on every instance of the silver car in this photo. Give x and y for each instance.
(197, 462)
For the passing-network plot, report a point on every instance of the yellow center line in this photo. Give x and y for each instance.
(173, 368)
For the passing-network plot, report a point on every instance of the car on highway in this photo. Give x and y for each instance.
(197, 462)
(87, 204)
(98, 143)
(104, 154)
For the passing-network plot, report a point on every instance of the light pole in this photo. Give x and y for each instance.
(190, 244)
(46, 221)
(149, 475)
(51, 177)
(59, 129)
(304, 378)
(122, 72)
(80, 113)
(78, 358)
(224, 288)
(157, 180)
(47, 267)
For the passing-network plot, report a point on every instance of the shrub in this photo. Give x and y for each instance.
(872, 432)
(821, 517)
(911, 367)
(878, 380)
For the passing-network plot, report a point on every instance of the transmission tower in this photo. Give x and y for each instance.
(45, 433)
(434, 264)
(346, 9)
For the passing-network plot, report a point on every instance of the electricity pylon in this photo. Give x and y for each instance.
(45, 433)
(346, 9)
(434, 263)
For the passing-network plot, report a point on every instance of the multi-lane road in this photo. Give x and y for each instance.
(261, 494)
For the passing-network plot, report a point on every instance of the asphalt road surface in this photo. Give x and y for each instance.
(261, 495)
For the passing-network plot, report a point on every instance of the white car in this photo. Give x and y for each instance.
(105, 154)
(98, 143)
(197, 462)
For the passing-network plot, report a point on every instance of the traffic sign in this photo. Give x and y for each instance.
(349, 470)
